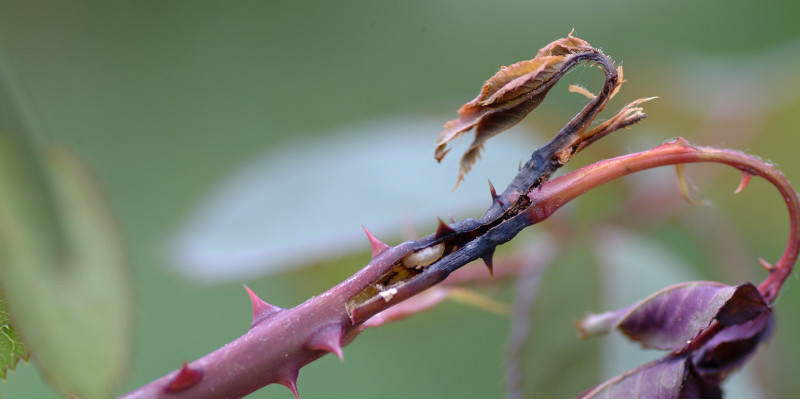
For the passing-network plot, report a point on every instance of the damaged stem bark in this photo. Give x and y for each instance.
(281, 341)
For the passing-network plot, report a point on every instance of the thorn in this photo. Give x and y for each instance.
(290, 381)
(680, 141)
(494, 194)
(452, 220)
(377, 246)
(186, 378)
(765, 264)
(681, 172)
(684, 186)
(487, 258)
(582, 90)
(443, 229)
(261, 309)
(743, 183)
(328, 338)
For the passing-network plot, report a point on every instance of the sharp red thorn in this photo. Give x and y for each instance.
(494, 194)
(487, 258)
(290, 381)
(765, 264)
(261, 309)
(186, 378)
(377, 246)
(443, 229)
(328, 338)
(743, 183)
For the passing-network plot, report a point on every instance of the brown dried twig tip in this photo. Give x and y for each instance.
(507, 97)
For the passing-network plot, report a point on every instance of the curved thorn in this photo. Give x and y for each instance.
(377, 246)
(493, 192)
(443, 229)
(765, 264)
(743, 183)
(681, 173)
(487, 258)
(186, 378)
(684, 186)
(328, 338)
(261, 309)
(290, 381)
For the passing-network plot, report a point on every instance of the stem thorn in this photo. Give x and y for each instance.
(290, 381)
(493, 192)
(186, 378)
(487, 258)
(443, 229)
(377, 246)
(743, 183)
(261, 309)
(328, 338)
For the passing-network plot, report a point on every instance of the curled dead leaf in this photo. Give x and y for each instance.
(515, 90)
(509, 96)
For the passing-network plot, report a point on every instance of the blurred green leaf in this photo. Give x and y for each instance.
(11, 347)
(62, 267)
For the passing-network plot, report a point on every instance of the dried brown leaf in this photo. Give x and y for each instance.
(509, 96)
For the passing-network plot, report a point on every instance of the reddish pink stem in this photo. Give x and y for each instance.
(557, 192)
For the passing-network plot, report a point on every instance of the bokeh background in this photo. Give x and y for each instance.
(165, 100)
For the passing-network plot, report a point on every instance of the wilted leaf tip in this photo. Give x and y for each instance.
(508, 96)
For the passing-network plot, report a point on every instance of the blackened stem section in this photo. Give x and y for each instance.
(471, 239)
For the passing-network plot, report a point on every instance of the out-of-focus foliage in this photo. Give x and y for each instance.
(164, 100)
(11, 347)
(63, 274)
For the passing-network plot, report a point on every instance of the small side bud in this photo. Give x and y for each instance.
(186, 378)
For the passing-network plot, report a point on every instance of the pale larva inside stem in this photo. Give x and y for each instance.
(424, 257)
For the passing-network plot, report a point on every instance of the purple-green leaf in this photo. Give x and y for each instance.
(729, 348)
(671, 318)
(666, 378)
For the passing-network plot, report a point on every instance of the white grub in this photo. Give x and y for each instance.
(388, 294)
(424, 257)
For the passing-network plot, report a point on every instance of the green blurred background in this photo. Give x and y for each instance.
(164, 99)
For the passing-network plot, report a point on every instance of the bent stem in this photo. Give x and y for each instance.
(559, 191)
